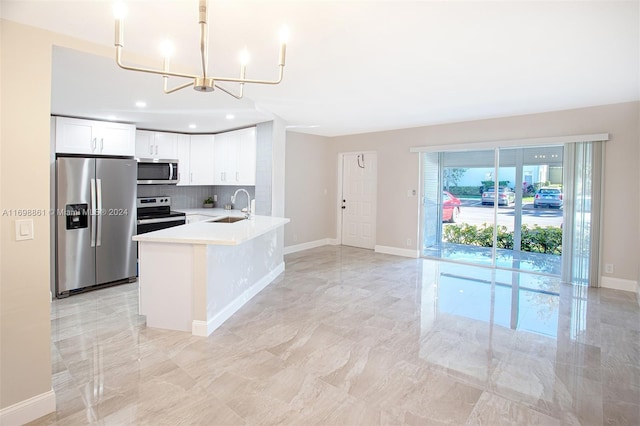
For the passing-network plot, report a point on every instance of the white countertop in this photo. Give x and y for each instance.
(206, 232)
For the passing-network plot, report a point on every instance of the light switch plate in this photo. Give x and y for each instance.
(24, 229)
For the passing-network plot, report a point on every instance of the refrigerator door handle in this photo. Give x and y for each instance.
(92, 212)
(99, 212)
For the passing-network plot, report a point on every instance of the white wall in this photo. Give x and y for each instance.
(310, 189)
(25, 360)
(25, 326)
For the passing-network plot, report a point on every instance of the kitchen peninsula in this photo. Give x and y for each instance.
(193, 277)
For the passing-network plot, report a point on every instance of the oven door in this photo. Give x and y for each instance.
(155, 224)
(157, 172)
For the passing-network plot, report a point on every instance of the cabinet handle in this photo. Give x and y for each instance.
(156, 149)
(94, 143)
(150, 149)
(190, 177)
(101, 144)
(237, 176)
(222, 176)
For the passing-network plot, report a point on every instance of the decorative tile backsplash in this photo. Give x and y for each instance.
(192, 197)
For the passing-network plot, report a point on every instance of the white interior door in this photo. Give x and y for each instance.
(359, 185)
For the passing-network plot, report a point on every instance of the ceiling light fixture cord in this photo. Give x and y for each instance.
(201, 83)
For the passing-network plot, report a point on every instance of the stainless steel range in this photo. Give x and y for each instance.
(154, 213)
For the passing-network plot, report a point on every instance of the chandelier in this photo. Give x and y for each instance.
(203, 82)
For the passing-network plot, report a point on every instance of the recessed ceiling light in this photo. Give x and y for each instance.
(302, 126)
(229, 116)
(141, 104)
(192, 126)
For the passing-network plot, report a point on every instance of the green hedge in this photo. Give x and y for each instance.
(462, 191)
(536, 240)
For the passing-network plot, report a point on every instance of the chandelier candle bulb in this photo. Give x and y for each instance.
(119, 33)
(284, 34)
(167, 49)
(284, 38)
(283, 53)
(119, 10)
(244, 57)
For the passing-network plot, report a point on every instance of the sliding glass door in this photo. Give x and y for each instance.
(508, 206)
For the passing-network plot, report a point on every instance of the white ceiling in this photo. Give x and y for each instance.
(352, 66)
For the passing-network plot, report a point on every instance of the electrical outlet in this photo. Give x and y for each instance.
(408, 242)
(215, 197)
(608, 268)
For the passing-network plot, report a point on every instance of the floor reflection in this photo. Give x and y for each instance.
(531, 339)
(509, 299)
(524, 261)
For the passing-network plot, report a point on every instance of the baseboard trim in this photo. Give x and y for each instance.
(29, 410)
(309, 245)
(619, 284)
(414, 254)
(205, 328)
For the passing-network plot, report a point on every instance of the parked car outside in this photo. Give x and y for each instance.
(450, 207)
(551, 197)
(506, 196)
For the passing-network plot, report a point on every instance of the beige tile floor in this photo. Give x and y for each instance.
(349, 337)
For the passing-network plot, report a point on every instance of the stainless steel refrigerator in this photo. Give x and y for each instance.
(96, 218)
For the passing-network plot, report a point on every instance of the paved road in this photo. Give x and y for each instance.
(474, 213)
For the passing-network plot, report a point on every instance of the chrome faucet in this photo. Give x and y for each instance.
(233, 200)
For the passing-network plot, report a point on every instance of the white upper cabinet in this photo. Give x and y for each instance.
(160, 145)
(184, 160)
(246, 156)
(235, 157)
(224, 162)
(76, 136)
(201, 161)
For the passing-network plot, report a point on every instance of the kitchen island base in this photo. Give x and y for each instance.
(197, 287)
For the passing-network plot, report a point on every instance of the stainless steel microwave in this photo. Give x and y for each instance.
(152, 171)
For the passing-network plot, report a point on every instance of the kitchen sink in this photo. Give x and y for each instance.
(226, 219)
